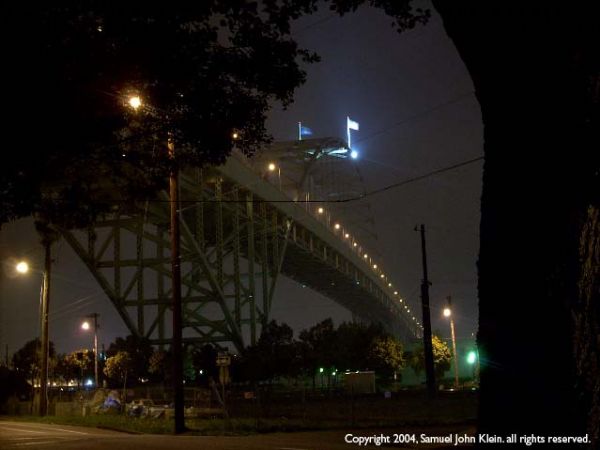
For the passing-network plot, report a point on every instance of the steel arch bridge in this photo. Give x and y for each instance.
(243, 225)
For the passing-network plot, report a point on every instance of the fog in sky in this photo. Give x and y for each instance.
(414, 101)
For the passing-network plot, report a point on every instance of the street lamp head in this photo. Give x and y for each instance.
(272, 167)
(22, 267)
(135, 102)
(447, 312)
(235, 135)
(320, 210)
(85, 325)
(337, 226)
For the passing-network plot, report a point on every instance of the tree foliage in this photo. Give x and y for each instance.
(139, 351)
(75, 365)
(27, 359)
(386, 356)
(442, 357)
(274, 355)
(119, 368)
(203, 69)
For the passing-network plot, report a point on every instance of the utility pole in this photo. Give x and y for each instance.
(45, 304)
(428, 346)
(176, 292)
(453, 334)
(95, 317)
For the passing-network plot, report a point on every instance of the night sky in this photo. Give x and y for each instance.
(414, 101)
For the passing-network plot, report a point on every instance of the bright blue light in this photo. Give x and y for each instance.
(89, 382)
(353, 154)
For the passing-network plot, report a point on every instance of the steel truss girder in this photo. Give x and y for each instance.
(219, 258)
(227, 232)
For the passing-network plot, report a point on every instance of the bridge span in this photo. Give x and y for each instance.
(243, 225)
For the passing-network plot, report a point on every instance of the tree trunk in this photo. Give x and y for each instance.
(535, 72)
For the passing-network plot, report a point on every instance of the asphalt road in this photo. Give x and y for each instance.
(22, 435)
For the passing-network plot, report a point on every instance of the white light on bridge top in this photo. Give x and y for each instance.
(337, 226)
(355, 244)
(381, 276)
(389, 284)
(320, 210)
(347, 235)
(395, 292)
(374, 266)
(365, 256)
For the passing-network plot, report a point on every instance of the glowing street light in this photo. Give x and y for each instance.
(347, 235)
(337, 226)
(135, 102)
(272, 167)
(235, 135)
(374, 266)
(320, 210)
(365, 256)
(353, 154)
(447, 312)
(85, 326)
(22, 267)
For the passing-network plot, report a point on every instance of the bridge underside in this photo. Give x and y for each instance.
(238, 235)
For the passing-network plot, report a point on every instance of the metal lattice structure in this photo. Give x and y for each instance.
(240, 231)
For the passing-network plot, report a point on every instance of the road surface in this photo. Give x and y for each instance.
(26, 436)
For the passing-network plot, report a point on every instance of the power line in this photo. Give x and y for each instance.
(345, 200)
(414, 116)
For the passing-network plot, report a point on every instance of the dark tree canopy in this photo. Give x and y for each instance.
(26, 360)
(202, 69)
(536, 72)
(139, 352)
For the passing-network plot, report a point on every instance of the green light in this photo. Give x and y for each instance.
(321, 370)
(471, 357)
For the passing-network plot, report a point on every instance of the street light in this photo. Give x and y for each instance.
(178, 396)
(22, 267)
(48, 236)
(86, 326)
(448, 313)
(272, 166)
(135, 102)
